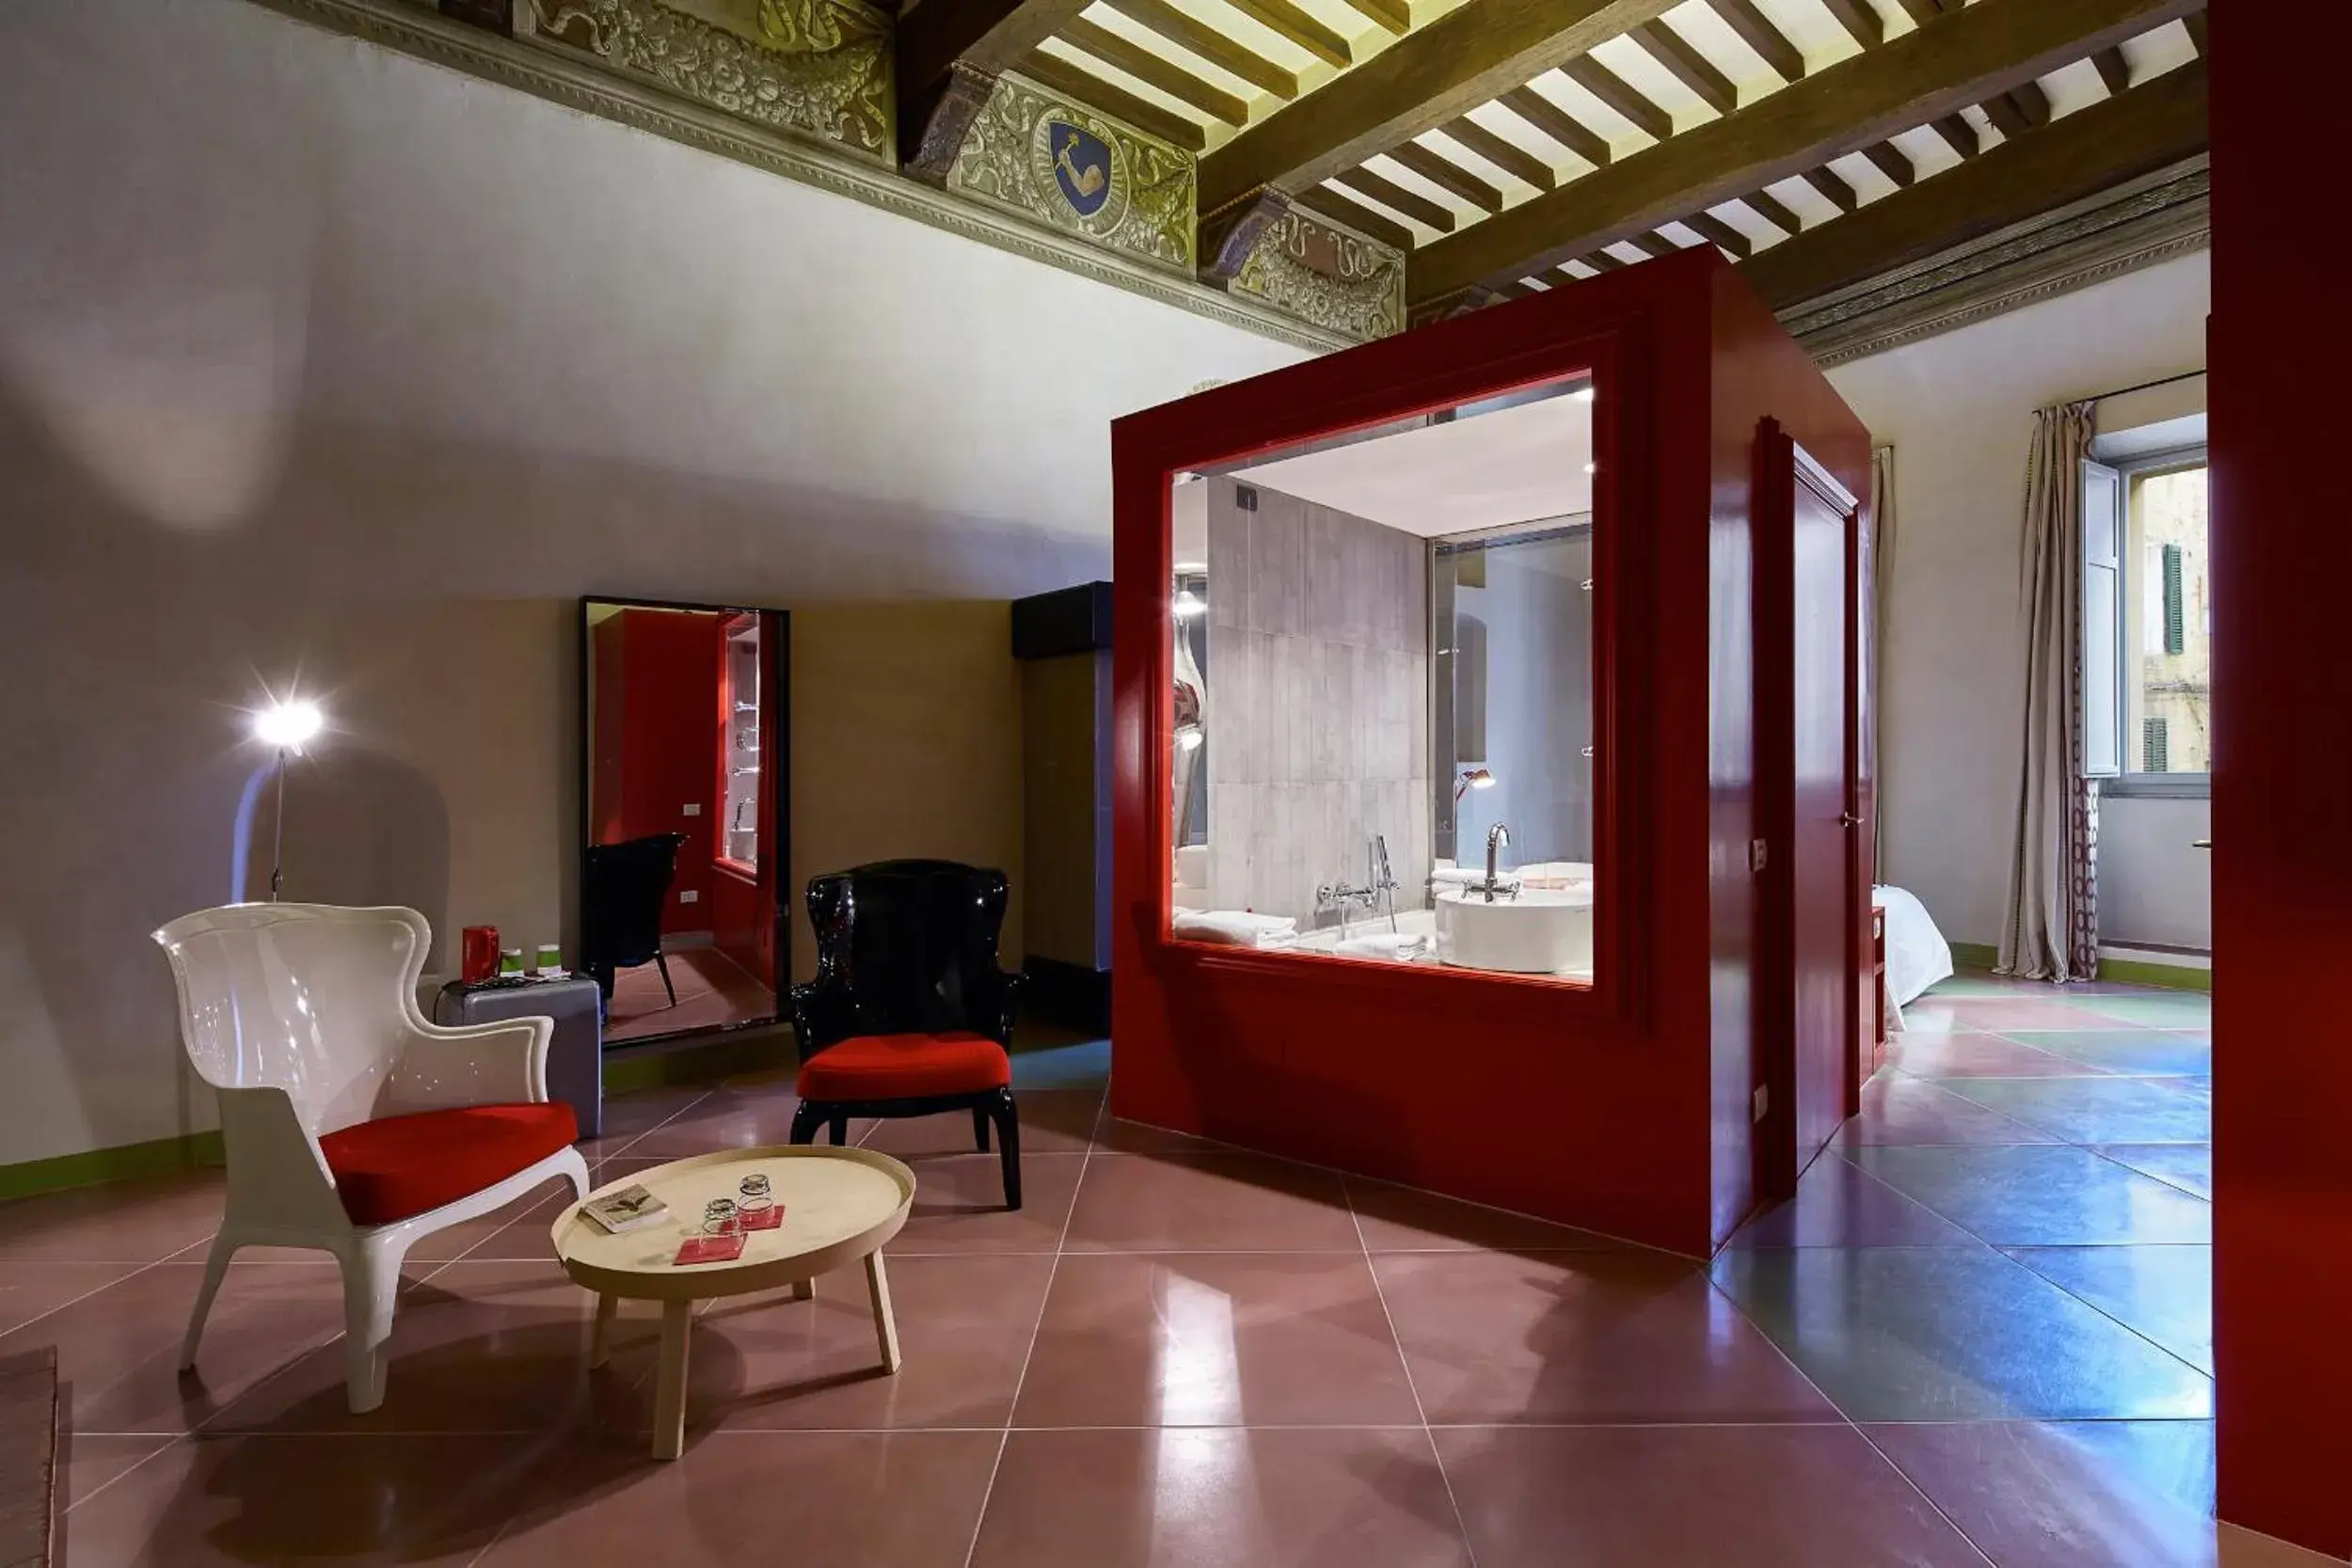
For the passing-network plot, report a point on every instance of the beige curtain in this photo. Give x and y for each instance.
(1882, 627)
(2052, 932)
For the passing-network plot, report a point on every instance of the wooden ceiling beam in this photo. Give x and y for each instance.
(1331, 202)
(2157, 124)
(1833, 186)
(1116, 102)
(1721, 234)
(1183, 30)
(1619, 94)
(1439, 72)
(1757, 32)
(1654, 245)
(1861, 21)
(1557, 123)
(1390, 14)
(1157, 71)
(2115, 70)
(1447, 175)
(1287, 21)
(948, 56)
(1600, 261)
(1892, 161)
(1775, 212)
(1387, 192)
(1958, 134)
(1964, 56)
(2195, 23)
(1694, 70)
(1508, 156)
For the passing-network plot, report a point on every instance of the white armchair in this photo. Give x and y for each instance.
(352, 1125)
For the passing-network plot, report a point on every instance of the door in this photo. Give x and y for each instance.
(1824, 828)
(1812, 908)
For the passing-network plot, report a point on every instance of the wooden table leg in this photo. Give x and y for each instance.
(803, 1289)
(600, 1338)
(885, 1328)
(669, 1403)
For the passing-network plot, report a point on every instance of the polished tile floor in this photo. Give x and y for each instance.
(1980, 1332)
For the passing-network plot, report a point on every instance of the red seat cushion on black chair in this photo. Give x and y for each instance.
(905, 1067)
(388, 1170)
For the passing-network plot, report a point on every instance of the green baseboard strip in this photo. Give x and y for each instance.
(157, 1157)
(1969, 955)
(700, 1062)
(2131, 972)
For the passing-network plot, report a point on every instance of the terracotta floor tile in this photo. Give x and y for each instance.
(524, 1235)
(30, 1291)
(1404, 1219)
(1974, 1055)
(2163, 1293)
(2097, 1110)
(1137, 1137)
(1225, 1497)
(120, 1347)
(768, 1363)
(960, 1205)
(729, 1118)
(1582, 1336)
(1058, 1061)
(2161, 1010)
(2069, 1494)
(904, 1500)
(94, 1462)
(2005, 1015)
(1901, 1109)
(2187, 1167)
(2244, 1549)
(2144, 1053)
(355, 1499)
(1053, 1122)
(1806, 1497)
(1216, 1340)
(1838, 1203)
(2041, 1196)
(477, 1347)
(1952, 1334)
(1209, 1202)
(119, 1222)
(630, 1116)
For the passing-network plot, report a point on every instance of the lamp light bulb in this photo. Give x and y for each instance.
(289, 726)
(1582, 394)
(1188, 738)
(1187, 604)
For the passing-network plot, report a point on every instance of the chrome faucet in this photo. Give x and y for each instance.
(1497, 836)
(1380, 883)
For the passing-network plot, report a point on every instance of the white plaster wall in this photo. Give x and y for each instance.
(318, 358)
(1959, 409)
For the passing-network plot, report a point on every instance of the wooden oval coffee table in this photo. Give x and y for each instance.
(839, 1205)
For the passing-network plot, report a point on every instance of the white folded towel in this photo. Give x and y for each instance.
(1233, 927)
(1445, 874)
(1393, 945)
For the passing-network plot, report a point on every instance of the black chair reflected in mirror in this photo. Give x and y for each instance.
(622, 889)
(910, 1014)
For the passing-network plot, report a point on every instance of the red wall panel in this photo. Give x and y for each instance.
(2282, 859)
(657, 734)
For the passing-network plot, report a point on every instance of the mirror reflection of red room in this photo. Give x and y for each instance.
(677, 895)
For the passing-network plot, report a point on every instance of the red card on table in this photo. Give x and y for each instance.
(709, 1249)
(761, 1219)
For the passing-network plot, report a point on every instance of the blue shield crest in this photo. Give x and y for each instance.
(1082, 167)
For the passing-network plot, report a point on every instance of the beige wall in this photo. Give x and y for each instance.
(1959, 409)
(1066, 807)
(1316, 702)
(321, 360)
(906, 741)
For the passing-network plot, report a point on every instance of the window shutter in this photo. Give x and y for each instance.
(2104, 705)
(2174, 622)
(2153, 749)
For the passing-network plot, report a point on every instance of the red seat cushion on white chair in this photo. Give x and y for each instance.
(388, 1170)
(905, 1067)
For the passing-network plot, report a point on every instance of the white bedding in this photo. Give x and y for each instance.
(1916, 954)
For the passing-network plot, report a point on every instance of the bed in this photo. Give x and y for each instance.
(1916, 954)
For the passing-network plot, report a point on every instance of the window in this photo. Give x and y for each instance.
(2147, 625)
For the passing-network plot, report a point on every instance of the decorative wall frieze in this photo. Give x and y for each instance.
(1327, 275)
(580, 81)
(816, 68)
(2134, 225)
(1054, 160)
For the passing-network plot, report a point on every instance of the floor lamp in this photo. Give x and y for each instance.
(287, 727)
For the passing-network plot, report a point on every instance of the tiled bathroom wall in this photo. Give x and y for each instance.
(1317, 706)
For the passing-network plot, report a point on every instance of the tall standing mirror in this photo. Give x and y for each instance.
(681, 914)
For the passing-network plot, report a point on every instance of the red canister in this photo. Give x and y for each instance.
(480, 954)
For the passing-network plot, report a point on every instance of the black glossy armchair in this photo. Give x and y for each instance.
(910, 1014)
(622, 889)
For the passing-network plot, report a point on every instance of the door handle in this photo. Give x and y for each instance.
(1848, 819)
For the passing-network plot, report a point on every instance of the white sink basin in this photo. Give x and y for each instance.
(1542, 931)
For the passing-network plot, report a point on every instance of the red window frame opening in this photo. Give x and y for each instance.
(1230, 428)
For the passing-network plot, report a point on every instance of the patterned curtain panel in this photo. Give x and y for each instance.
(2052, 932)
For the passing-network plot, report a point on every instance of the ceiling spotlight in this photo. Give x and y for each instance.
(289, 726)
